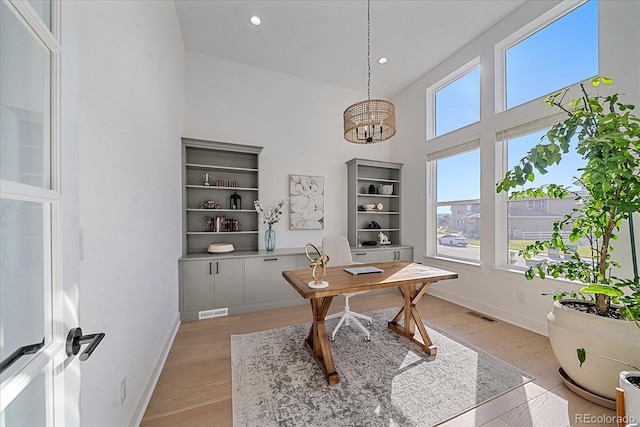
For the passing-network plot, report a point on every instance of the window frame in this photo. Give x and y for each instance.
(432, 202)
(563, 8)
(430, 102)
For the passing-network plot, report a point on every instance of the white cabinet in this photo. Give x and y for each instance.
(229, 283)
(374, 199)
(382, 254)
(205, 285)
(196, 286)
(263, 279)
(394, 254)
(365, 256)
(220, 183)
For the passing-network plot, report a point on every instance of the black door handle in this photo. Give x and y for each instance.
(22, 351)
(75, 339)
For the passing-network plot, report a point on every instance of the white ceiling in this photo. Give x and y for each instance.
(326, 40)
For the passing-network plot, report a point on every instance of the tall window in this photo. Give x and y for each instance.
(559, 55)
(532, 219)
(458, 205)
(456, 102)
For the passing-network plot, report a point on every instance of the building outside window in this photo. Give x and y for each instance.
(458, 205)
(532, 219)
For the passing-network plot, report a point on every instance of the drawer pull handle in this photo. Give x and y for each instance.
(270, 259)
(362, 253)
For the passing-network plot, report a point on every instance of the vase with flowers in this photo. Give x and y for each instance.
(269, 217)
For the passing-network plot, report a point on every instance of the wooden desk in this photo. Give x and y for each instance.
(411, 279)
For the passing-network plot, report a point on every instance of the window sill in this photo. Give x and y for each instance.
(448, 261)
(552, 284)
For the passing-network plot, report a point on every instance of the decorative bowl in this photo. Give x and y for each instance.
(369, 206)
(220, 248)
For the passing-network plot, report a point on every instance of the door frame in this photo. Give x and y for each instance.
(51, 359)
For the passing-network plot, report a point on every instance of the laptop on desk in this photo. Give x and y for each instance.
(363, 270)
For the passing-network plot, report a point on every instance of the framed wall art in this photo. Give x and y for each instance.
(306, 202)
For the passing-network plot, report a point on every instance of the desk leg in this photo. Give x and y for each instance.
(317, 341)
(412, 318)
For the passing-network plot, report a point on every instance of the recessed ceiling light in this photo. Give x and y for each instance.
(382, 60)
(255, 20)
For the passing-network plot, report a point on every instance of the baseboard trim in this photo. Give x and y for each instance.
(143, 401)
(505, 316)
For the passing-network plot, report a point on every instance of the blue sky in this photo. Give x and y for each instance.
(555, 57)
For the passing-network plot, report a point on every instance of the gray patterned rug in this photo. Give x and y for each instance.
(388, 381)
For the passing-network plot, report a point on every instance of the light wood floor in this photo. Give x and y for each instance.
(194, 388)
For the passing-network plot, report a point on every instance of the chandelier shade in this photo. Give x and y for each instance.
(370, 121)
(373, 120)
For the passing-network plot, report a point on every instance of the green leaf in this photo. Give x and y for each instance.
(582, 355)
(610, 291)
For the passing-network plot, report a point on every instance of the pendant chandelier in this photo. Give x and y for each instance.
(373, 120)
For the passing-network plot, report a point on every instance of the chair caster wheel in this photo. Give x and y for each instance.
(367, 338)
(332, 339)
(369, 323)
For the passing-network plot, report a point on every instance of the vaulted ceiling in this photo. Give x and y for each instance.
(326, 40)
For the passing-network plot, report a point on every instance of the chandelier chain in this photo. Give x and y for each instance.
(369, 50)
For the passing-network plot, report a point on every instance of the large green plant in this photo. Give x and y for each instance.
(608, 138)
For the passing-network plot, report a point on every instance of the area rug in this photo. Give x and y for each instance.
(388, 381)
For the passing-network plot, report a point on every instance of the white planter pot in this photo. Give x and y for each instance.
(631, 396)
(619, 339)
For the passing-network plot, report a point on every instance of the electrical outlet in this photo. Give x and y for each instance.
(123, 390)
(522, 297)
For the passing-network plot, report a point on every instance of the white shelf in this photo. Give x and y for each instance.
(218, 233)
(214, 187)
(222, 210)
(363, 174)
(376, 195)
(219, 168)
(363, 179)
(221, 161)
(379, 213)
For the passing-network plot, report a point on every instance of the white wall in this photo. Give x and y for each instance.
(297, 121)
(127, 107)
(485, 287)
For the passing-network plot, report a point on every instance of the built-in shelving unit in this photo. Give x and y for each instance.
(364, 181)
(231, 169)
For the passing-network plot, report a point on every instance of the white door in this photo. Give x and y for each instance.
(35, 306)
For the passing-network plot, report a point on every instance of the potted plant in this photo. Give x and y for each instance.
(603, 316)
(629, 383)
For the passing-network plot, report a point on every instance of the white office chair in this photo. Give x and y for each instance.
(337, 247)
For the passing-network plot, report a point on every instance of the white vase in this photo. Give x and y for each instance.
(618, 339)
(631, 396)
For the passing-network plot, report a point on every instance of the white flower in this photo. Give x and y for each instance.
(270, 216)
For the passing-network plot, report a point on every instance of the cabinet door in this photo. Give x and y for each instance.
(229, 289)
(405, 254)
(365, 256)
(197, 285)
(264, 281)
